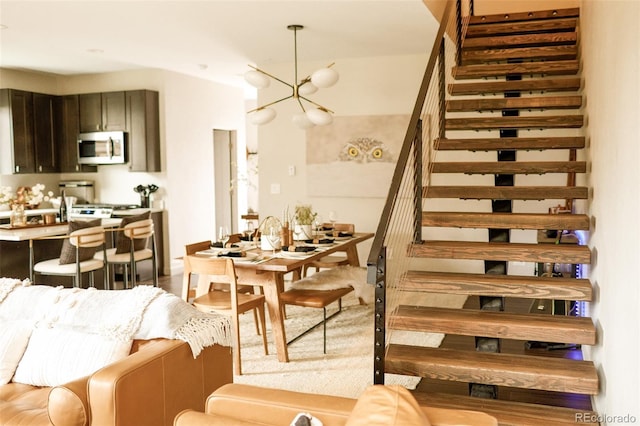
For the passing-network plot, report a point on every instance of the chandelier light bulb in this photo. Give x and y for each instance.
(319, 117)
(307, 88)
(263, 116)
(257, 79)
(301, 121)
(324, 77)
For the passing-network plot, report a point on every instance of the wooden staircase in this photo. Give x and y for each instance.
(517, 71)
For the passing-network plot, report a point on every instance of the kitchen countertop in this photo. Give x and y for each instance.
(6, 214)
(27, 233)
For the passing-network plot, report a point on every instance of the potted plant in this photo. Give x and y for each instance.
(304, 217)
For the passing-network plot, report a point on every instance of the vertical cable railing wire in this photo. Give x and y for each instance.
(400, 224)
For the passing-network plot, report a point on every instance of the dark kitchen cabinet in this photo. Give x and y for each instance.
(46, 119)
(143, 128)
(17, 149)
(29, 132)
(102, 112)
(68, 139)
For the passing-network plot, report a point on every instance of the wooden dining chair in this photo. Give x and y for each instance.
(189, 293)
(231, 303)
(330, 261)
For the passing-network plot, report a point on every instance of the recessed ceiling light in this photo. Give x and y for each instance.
(95, 50)
(203, 66)
(3, 27)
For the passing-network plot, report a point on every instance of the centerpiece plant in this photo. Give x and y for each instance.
(304, 217)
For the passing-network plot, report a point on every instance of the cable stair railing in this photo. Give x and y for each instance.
(388, 260)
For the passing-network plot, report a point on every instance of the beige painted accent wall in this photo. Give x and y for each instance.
(610, 46)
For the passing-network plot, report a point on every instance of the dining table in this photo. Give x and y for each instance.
(267, 269)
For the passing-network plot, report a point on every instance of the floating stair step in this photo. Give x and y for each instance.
(525, 68)
(521, 27)
(510, 413)
(529, 85)
(511, 167)
(526, 287)
(500, 325)
(520, 371)
(493, 104)
(517, 252)
(501, 144)
(494, 123)
(506, 220)
(552, 14)
(522, 40)
(526, 53)
(507, 192)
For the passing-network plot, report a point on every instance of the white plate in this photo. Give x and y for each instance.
(248, 257)
(214, 251)
(296, 254)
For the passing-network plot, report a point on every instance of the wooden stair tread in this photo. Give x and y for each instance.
(495, 144)
(510, 167)
(522, 252)
(506, 192)
(529, 85)
(538, 102)
(521, 371)
(521, 27)
(560, 52)
(529, 287)
(537, 122)
(509, 413)
(506, 220)
(502, 325)
(521, 40)
(570, 67)
(571, 12)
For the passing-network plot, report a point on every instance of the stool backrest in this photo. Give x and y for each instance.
(139, 230)
(88, 237)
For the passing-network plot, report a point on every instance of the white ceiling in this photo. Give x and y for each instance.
(211, 39)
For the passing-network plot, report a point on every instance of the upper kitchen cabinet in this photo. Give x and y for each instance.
(46, 120)
(28, 131)
(16, 132)
(102, 112)
(68, 138)
(143, 127)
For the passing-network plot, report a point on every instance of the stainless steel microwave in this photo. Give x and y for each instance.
(102, 148)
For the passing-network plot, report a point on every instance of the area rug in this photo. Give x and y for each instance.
(347, 367)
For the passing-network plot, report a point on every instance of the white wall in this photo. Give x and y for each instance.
(610, 49)
(367, 86)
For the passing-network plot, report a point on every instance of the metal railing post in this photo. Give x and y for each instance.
(417, 184)
(380, 317)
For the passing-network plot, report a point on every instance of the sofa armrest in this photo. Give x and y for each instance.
(260, 405)
(68, 404)
(151, 386)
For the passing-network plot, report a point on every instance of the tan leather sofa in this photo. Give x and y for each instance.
(237, 404)
(149, 387)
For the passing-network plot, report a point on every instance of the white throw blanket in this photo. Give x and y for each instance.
(141, 313)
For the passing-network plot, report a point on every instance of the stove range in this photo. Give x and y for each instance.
(97, 211)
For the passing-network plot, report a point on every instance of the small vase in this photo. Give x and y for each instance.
(18, 216)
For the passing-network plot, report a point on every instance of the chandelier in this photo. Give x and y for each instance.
(314, 114)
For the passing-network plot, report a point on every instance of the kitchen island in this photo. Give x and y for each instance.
(14, 246)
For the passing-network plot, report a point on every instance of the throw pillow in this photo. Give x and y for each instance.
(123, 244)
(13, 341)
(57, 356)
(68, 252)
(381, 405)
